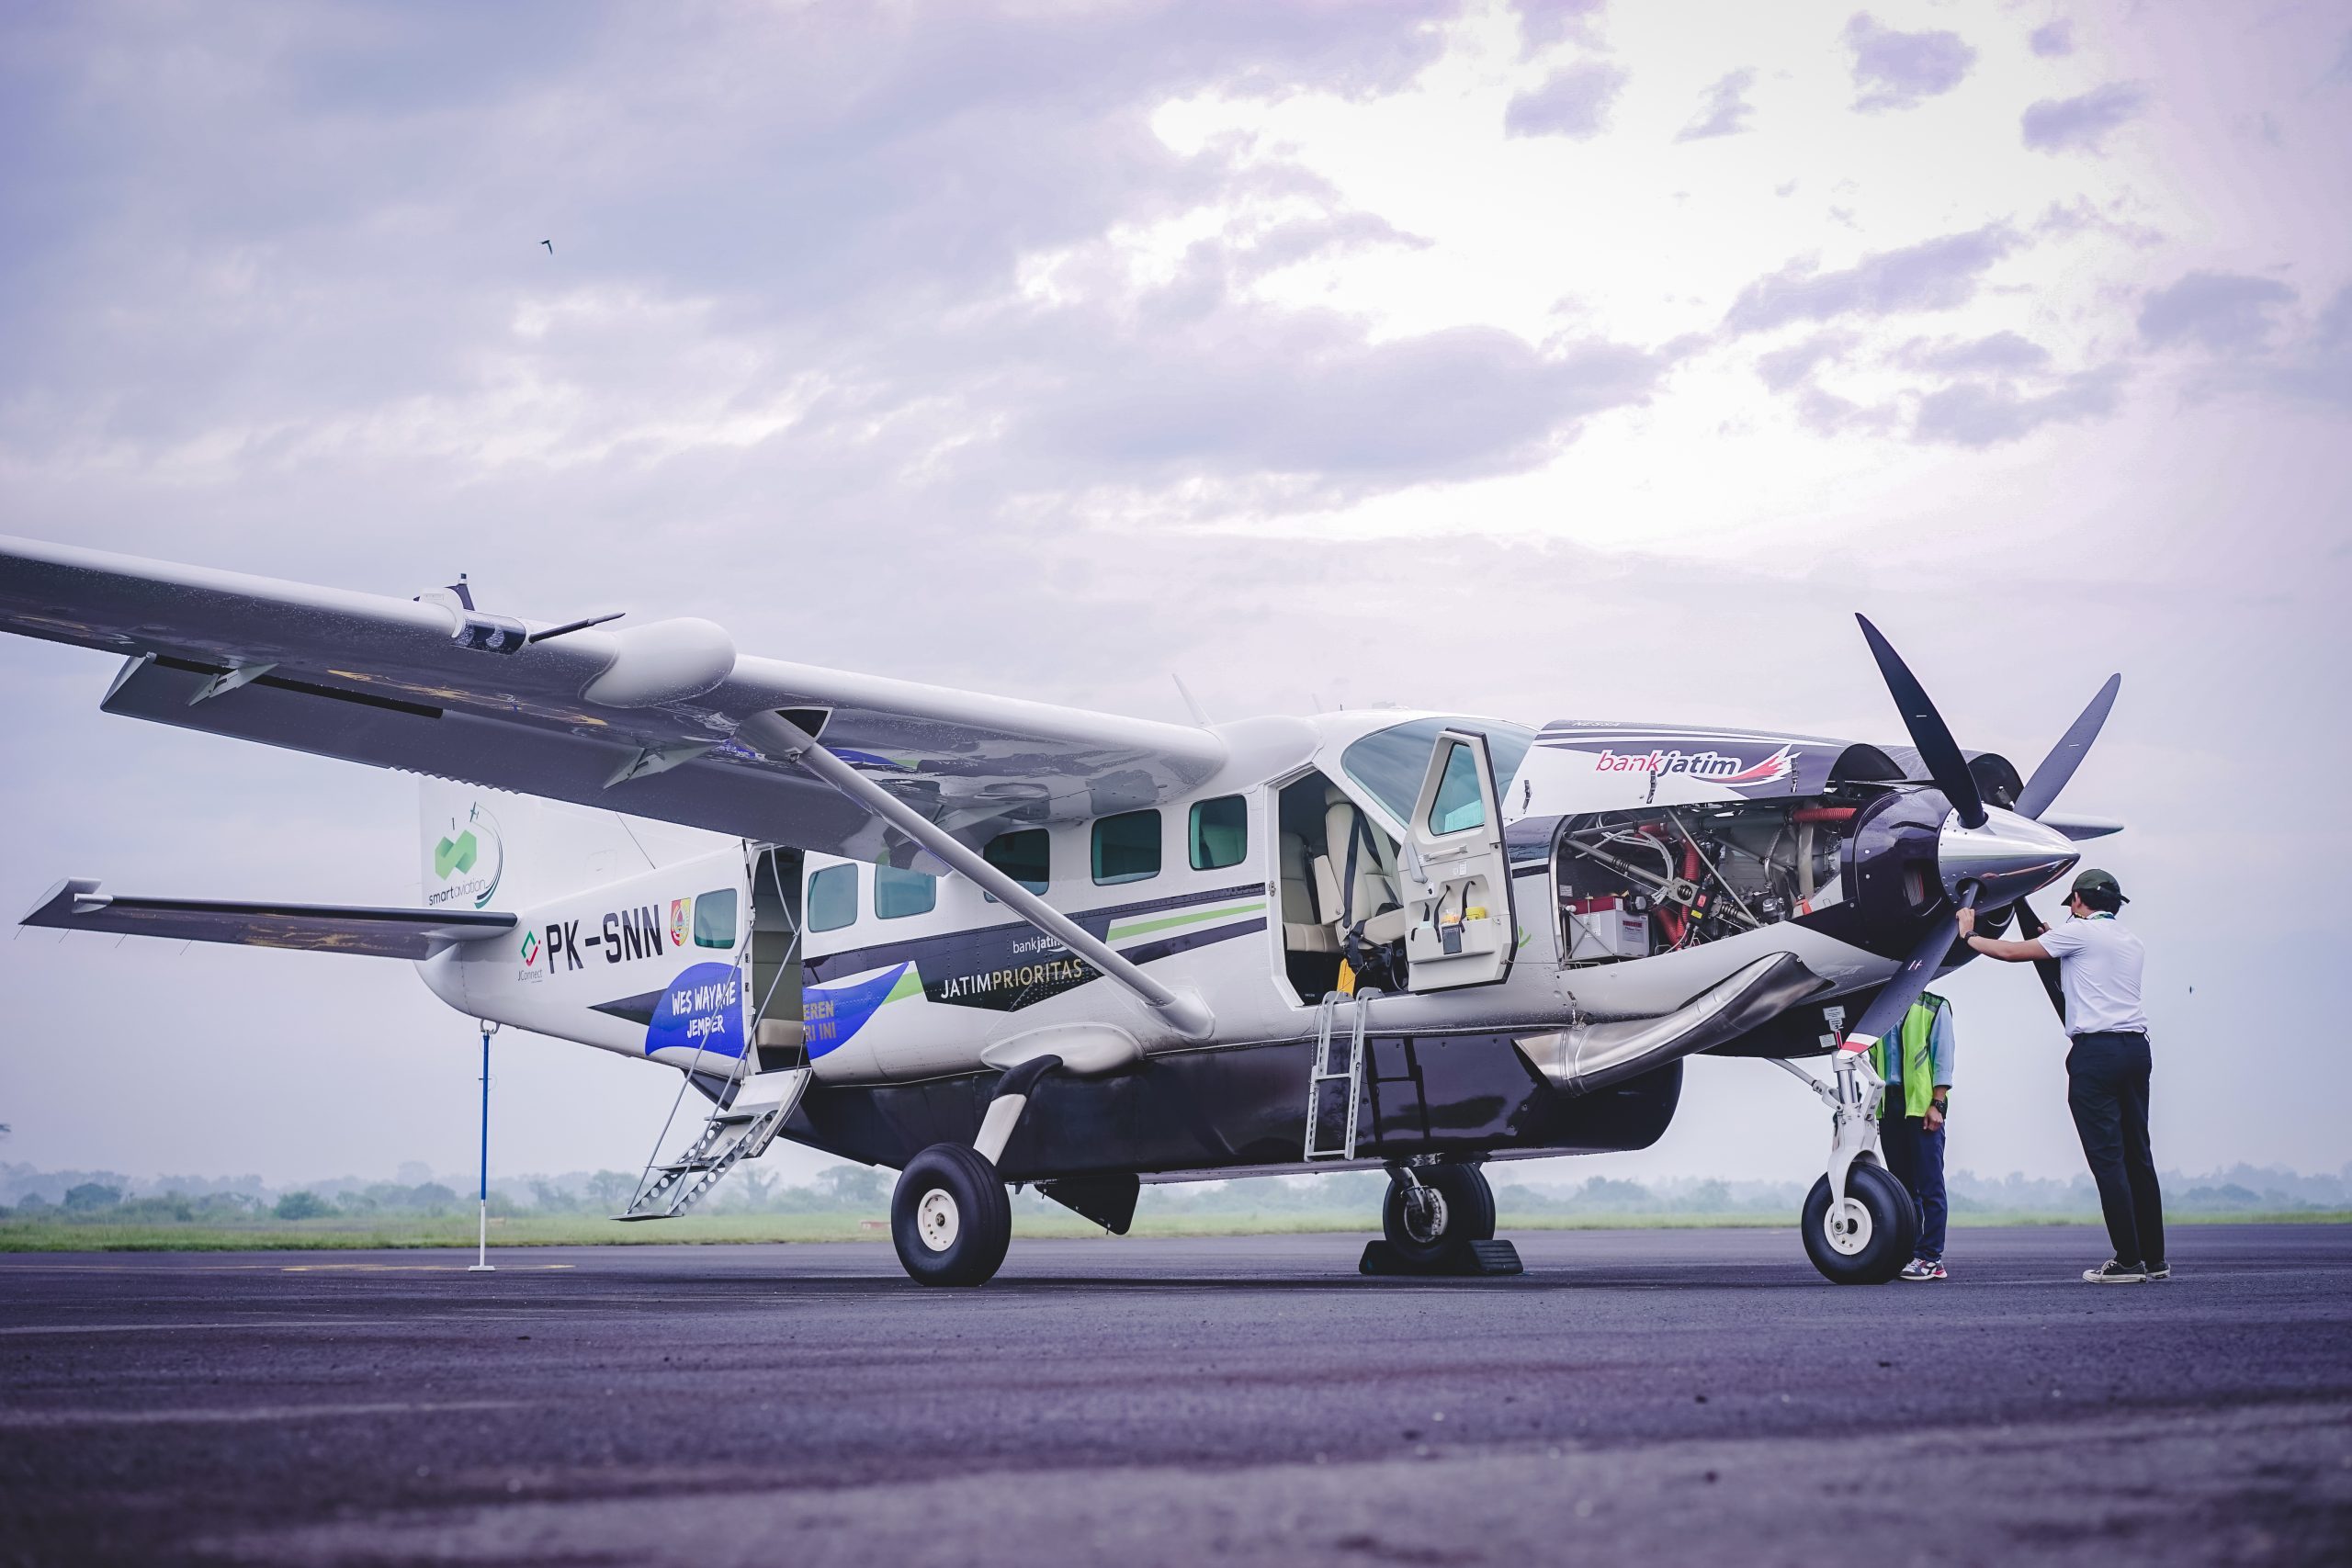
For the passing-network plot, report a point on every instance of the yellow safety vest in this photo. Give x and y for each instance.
(1919, 1055)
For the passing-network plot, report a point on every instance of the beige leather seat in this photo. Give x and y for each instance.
(1373, 899)
(1304, 929)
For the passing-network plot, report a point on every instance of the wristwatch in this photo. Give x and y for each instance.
(1943, 1106)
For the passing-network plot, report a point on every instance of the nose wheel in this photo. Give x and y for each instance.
(1864, 1238)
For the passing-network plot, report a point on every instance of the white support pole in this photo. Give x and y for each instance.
(481, 1264)
(775, 736)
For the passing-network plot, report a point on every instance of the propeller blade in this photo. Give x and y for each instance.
(1928, 731)
(2067, 755)
(2029, 928)
(1885, 1015)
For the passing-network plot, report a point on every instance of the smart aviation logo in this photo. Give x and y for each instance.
(459, 856)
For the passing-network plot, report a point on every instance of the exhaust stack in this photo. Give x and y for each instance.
(1588, 1056)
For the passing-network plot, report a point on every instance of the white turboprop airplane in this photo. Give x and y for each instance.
(981, 940)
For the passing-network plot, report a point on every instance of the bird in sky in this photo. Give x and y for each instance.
(549, 244)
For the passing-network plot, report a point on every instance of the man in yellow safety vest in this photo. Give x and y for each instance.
(1911, 1122)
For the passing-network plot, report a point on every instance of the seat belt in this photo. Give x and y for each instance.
(1351, 933)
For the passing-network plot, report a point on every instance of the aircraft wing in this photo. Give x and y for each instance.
(79, 905)
(638, 717)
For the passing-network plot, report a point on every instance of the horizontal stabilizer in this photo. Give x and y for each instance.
(77, 904)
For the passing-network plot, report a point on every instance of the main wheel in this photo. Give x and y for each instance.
(1869, 1239)
(1453, 1207)
(950, 1217)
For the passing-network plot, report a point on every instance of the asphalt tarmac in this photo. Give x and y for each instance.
(1665, 1397)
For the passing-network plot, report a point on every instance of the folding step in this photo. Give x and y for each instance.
(743, 1129)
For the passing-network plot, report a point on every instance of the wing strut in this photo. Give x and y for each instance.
(777, 737)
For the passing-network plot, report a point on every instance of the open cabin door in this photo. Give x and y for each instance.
(1457, 878)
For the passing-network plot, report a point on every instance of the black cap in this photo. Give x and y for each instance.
(2092, 879)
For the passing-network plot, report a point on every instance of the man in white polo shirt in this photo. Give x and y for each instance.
(2099, 967)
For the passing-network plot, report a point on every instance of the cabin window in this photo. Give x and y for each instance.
(898, 894)
(1460, 804)
(832, 898)
(1127, 847)
(1220, 835)
(1026, 857)
(715, 918)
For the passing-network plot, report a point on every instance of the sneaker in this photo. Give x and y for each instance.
(1923, 1269)
(2113, 1273)
(2159, 1270)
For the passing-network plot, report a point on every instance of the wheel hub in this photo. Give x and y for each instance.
(1425, 1213)
(1846, 1226)
(936, 1221)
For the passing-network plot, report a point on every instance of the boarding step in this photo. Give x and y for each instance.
(740, 1129)
(1471, 1260)
(1327, 1080)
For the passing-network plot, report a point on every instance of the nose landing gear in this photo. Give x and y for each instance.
(1859, 1224)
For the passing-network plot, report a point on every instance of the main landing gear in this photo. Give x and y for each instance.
(950, 1217)
(1860, 1227)
(1438, 1219)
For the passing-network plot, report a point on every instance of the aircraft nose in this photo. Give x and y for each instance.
(2007, 858)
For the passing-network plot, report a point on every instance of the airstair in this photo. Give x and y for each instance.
(1326, 1080)
(741, 1129)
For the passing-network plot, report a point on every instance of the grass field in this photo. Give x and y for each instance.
(719, 1230)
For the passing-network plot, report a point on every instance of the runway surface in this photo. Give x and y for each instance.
(1692, 1396)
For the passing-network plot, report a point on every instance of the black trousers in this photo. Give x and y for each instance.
(2107, 1091)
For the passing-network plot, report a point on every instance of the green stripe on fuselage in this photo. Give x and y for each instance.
(1186, 918)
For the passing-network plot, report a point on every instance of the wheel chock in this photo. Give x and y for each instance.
(1472, 1260)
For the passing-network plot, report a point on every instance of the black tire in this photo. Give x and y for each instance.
(1888, 1228)
(950, 1217)
(1469, 1215)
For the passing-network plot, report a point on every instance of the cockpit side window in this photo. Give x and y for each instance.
(1389, 764)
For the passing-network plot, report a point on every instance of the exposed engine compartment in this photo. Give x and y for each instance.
(1662, 878)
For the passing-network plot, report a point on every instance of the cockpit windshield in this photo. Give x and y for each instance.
(1390, 764)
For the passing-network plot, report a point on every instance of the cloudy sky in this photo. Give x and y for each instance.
(1556, 360)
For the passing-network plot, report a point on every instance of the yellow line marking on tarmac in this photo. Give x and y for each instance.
(10, 1264)
(412, 1268)
(21, 1419)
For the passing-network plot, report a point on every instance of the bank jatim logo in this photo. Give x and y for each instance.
(1716, 767)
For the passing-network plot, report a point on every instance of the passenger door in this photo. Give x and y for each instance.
(1456, 873)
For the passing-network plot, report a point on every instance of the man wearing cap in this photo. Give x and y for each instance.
(2107, 1069)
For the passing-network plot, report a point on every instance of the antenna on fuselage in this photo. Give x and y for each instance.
(1192, 704)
